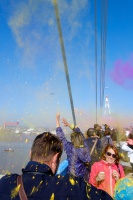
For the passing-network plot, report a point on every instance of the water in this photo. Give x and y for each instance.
(14, 161)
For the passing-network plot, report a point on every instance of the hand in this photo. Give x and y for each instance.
(58, 119)
(64, 121)
(115, 174)
(100, 176)
(58, 116)
(130, 141)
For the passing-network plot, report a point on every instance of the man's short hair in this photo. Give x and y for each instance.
(45, 146)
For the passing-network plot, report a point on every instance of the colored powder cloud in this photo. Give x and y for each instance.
(122, 74)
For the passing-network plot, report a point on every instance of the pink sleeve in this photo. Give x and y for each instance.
(93, 174)
(122, 172)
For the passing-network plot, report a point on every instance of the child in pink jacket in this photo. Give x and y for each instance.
(105, 173)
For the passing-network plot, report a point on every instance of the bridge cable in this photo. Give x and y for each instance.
(104, 11)
(64, 58)
(95, 28)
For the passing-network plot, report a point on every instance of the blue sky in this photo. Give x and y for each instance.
(32, 79)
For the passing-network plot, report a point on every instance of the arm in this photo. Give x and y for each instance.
(126, 148)
(58, 120)
(96, 177)
(66, 144)
(122, 175)
(93, 175)
(130, 141)
(116, 175)
(119, 173)
(71, 126)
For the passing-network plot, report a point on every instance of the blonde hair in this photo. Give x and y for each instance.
(77, 139)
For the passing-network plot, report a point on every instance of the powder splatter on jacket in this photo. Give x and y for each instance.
(109, 182)
(76, 156)
(40, 184)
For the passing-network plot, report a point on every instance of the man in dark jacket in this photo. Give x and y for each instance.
(38, 177)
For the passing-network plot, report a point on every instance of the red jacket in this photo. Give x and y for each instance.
(109, 182)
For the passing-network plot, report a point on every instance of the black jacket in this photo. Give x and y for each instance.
(40, 184)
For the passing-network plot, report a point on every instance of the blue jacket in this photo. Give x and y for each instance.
(41, 184)
(76, 156)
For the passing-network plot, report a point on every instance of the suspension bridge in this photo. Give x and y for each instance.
(104, 14)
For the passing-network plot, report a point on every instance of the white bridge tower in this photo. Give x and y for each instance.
(107, 108)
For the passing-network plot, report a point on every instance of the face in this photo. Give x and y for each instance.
(110, 156)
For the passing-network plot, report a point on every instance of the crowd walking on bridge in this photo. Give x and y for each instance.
(94, 169)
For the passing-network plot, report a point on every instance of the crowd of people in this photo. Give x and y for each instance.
(94, 171)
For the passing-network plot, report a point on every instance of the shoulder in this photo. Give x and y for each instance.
(119, 166)
(70, 180)
(97, 164)
(101, 162)
(59, 129)
(9, 178)
(77, 129)
(70, 184)
(8, 182)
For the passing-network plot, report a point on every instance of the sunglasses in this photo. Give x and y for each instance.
(110, 154)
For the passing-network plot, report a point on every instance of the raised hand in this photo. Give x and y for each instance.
(58, 119)
(64, 121)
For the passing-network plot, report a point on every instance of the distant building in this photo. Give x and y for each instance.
(11, 124)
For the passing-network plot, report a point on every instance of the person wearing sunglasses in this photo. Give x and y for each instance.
(105, 173)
